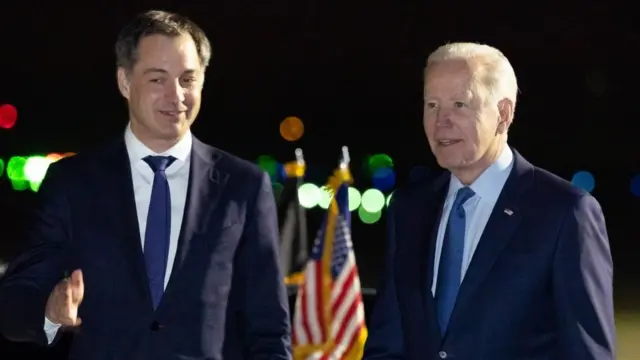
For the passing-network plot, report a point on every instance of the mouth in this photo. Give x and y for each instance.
(171, 113)
(448, 142)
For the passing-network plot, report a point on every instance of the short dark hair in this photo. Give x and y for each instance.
(157, 22)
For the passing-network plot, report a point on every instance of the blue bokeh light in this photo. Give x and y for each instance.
(635, 185)
(584, 180)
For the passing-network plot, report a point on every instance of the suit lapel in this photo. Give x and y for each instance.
(420, 230)
(118, 180)
(206, 182)
(499, 230)
(432, 222)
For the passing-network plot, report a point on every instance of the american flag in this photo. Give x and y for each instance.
(329, 314)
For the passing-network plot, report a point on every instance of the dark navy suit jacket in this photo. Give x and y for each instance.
(539, 285)
(225, 298)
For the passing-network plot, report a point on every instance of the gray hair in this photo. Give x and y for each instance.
(492, 72)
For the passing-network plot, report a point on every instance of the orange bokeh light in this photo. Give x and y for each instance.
(53, 157)
(291, 128)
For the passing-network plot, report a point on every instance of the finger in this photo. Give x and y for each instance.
(77, 322)
(76, 278)
(77, 286)
(68, 298)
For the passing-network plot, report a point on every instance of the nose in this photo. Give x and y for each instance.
(443, 118)
(174, 92)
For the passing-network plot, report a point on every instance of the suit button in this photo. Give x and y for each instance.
(155, 326)
(442, 354)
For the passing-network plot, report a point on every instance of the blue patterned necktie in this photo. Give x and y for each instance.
(158, 230)
(450, 268)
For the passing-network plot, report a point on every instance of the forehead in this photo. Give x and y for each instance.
(448, 77)
(178, 53)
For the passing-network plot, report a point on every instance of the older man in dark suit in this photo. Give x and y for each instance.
(497, 259)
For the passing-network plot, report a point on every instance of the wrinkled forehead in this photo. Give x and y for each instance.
(448, 78)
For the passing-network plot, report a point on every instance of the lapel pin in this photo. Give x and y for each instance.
(508, 212)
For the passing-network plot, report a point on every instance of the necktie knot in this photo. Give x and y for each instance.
(159, 163)
(462, 196)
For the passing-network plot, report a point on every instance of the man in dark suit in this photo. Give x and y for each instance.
(156, 246)
(497, 259)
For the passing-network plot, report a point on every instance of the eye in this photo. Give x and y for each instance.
(459, 104)
(189, 81)
(431, 105)
(156, 81)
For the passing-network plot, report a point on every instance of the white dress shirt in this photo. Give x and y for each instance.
(478, 209)
(142, 177)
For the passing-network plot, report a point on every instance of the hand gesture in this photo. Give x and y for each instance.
(64, 301)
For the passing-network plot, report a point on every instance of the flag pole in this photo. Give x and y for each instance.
(303, 251)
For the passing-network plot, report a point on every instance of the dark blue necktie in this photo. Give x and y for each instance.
(158, 231)
(450, 268)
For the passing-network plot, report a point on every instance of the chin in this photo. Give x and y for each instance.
(450, 162)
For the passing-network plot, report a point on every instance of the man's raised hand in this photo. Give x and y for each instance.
(64, 301)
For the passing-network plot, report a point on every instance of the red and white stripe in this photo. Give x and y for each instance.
(347, 309)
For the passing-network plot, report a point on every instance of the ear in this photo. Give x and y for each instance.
(505, 112)
(124, 84)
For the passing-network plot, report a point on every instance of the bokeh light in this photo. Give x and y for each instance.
(54, 157)
(378, 161)
(384, 179)
(309, 195)
(35, 168)
(8, 116)
(584, 180)
(1, 167)
(269, 165)
(373, 200)
(15, 173)
(291, 128)
(635, 185)
(355, 198)
(368, 217)
(325, 197)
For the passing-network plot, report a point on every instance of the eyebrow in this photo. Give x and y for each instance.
(154, 70)
(162, 71)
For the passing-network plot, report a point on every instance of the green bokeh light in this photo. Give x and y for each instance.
(269, 165)
(373, 200)
(309, 195)
(369, 217)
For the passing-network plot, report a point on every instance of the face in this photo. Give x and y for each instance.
(163, 89)
(466, 131)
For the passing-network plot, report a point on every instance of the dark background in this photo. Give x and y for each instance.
(352, 71)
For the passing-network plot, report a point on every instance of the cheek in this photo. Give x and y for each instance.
(193, 97)
(429, 125)
(149, 99)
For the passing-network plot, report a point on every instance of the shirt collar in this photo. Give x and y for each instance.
(489, 184)
(137, 150)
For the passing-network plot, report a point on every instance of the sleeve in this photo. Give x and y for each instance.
(266, 323)
(385, 340)
(583, 284)
(51, 330)
(30, 278)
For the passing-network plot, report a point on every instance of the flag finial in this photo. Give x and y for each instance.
(345, 157)
(299, 156)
